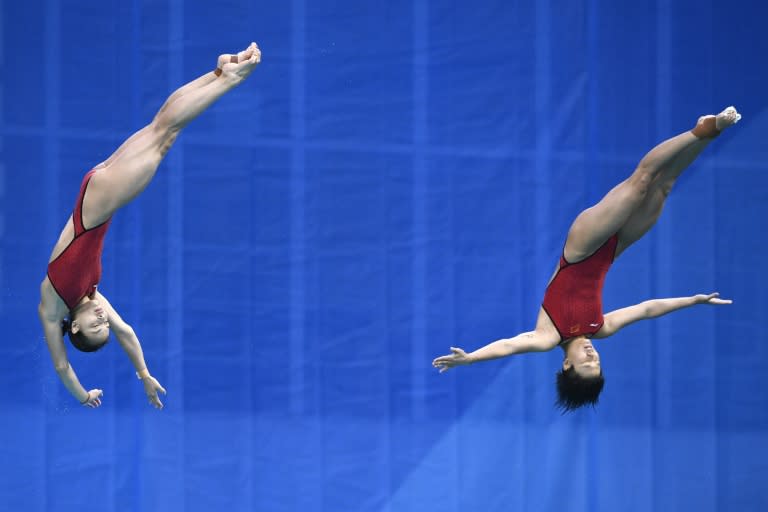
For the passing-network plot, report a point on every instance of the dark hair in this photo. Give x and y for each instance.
(79, 340)
(574, 391)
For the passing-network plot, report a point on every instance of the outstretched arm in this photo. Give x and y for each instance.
(55, 341)
(620, 318)
(130, 342)
(534, 341)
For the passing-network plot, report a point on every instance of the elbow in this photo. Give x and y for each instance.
(126, 337)
(539, 342)
(649, 311)
(123, 332)
(41, 313)
(129, 333)
(62, 368)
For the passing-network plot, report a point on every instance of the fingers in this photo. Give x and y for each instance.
(714, 298)
(94, 399)
(154, 399)
(442, 365)
(155, 402)
(93, 403)
(456, 354)
(158, 387)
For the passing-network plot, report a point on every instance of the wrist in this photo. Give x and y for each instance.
(142, 374)
(85, 400)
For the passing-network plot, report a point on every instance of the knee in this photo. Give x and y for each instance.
(166, 144)
(164, 133)
(163, 127)
(640, 182)
(665, 188)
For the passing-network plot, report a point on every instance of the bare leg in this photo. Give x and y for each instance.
(641, 195)
(199, 82)
(649, 211)
(207, 78)
(130, 169)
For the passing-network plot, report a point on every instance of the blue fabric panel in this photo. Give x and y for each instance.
(395, 178)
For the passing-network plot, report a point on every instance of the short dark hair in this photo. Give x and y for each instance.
(79, 340)
(575, 391)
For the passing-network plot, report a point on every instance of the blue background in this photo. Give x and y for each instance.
(395, 178)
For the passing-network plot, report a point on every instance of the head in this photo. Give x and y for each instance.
(580, 381)
(88, 326)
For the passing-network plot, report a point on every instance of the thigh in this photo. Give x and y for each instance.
(643, 219)
(125, 174)
(597, 224)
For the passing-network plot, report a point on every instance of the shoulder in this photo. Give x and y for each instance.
(116, 322)
(546, 330)
(51, 306)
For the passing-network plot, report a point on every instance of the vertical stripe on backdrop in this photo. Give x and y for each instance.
(297, 212)
(51, 152)
(135, 234)
(542, 182)
(175, 248)
(420, 171)
(656, 274)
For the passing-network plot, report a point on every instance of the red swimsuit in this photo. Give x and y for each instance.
(77, 270)
(574, 297)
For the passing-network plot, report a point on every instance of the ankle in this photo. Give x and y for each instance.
(224, 59)
(706, 128)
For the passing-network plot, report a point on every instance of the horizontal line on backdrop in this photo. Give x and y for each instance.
(406, 150)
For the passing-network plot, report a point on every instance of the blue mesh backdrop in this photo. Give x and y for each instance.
(395, 178)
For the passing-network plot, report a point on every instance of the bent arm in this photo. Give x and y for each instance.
(132, 347)
(620, 318)
(55, 341)
(130, 342)
(125, 335)
(533, 341)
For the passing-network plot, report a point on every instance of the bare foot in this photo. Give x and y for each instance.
(226, 58)
(239, 71)
(710, 126)
(726, 118)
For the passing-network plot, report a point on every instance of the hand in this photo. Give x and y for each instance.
(456, 358)
(94, 399)
(151, 388)
(712, 298)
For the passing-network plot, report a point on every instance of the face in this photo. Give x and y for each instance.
(583, 357)
(92, 322)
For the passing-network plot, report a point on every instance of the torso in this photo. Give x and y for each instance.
(74, 267)
(65, 238)
(573, 299)
(94, 214)
(544, 325)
